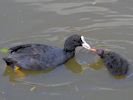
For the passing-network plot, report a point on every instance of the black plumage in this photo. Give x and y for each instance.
(41, 56)
(115, 63)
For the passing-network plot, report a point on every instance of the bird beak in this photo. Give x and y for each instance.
(93, 50)
(85, 44)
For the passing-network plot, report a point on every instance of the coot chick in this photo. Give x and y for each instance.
(41, 56)
(114, 62)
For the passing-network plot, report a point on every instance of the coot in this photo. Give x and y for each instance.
(115, 63)
(41, 56)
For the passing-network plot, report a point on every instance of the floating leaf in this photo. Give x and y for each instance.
(4, 50)
(33, 88)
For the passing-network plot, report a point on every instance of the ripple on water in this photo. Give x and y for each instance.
(105, 23)
(31, 1)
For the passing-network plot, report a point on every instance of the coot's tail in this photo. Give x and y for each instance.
(9, 61)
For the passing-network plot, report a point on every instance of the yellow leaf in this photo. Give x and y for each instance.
(16, 68)
(4, 50)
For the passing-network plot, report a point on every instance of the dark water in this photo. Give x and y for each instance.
(105, 23)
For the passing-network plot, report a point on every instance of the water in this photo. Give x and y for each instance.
(104, 23)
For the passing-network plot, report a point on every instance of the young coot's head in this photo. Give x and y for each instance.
(100, 52)
(74, 41)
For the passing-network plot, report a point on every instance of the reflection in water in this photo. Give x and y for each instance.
(71, 65)
(20, 74)
(119, 76)
(77, 68)
(97, 65)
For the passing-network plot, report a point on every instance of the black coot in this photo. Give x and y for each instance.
(41, 56)
(114, 62)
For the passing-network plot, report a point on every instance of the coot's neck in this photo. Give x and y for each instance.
(70, 51)
(68, 46)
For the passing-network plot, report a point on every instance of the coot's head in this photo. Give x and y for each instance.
(100, 52)
(73, 41)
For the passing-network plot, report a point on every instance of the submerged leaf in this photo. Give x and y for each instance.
(4, 50)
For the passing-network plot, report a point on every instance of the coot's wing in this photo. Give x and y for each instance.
(36, 56)
(29, 49)
(29, 56)
(15, 48)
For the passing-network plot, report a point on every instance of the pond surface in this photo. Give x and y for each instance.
(104, 23)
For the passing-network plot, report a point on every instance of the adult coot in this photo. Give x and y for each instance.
(114, 62)
(41, 56)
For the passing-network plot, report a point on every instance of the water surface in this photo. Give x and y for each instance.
(105, 23)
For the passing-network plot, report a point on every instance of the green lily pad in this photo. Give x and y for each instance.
(4, 50)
